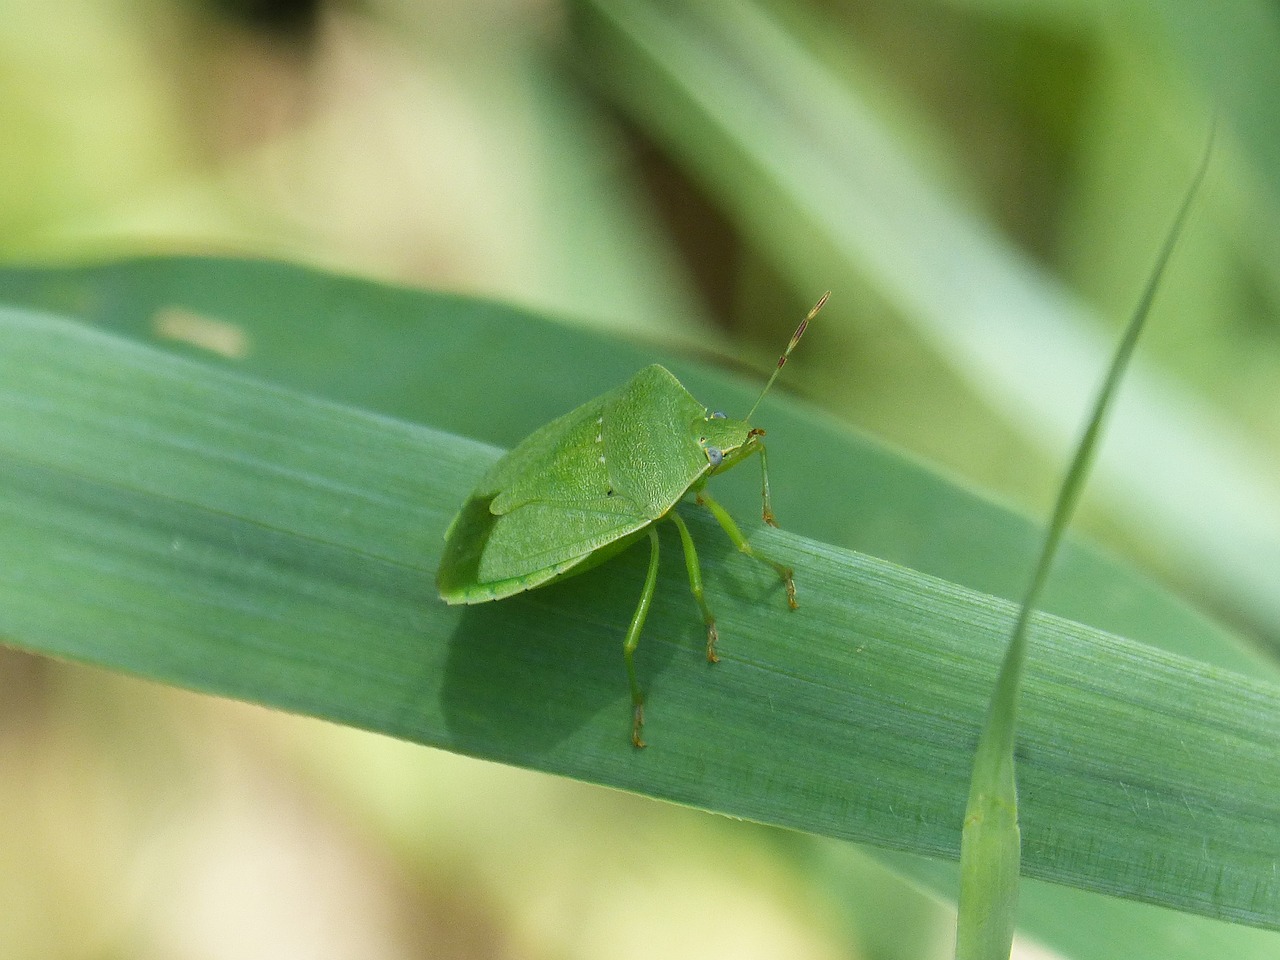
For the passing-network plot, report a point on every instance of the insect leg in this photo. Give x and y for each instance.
(739, 541)
(695, 584)
(633, 637)
(764, 475)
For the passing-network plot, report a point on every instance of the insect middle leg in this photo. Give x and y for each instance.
(695, 584)
(633, 638)
(739, 541)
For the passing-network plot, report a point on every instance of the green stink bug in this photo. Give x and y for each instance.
(579, 490)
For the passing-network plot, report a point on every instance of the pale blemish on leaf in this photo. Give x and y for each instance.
(208, 333)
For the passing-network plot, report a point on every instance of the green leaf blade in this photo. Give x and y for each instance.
(302, 578)
(495, 373)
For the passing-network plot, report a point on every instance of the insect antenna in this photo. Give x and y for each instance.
(782, 360)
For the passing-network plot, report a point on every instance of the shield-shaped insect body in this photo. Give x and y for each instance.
(591, 483)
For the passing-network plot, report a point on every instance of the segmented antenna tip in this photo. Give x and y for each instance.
(795, 338)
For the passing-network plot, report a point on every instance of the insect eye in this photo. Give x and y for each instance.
(715, 456)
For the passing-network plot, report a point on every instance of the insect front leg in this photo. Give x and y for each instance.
(764, 478)
(633, 638)
(695, 584)
(739, 541)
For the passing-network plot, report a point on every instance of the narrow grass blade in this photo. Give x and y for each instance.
(991, 843)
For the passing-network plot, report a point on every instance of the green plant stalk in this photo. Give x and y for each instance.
(991, 843)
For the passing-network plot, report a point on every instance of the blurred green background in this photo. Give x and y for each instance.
(982, 183)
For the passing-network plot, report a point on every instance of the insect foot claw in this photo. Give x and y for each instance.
(636, 723)
(790, 584)
(770, 519)
(712, 636)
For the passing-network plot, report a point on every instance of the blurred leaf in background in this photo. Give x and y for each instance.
(982, 183)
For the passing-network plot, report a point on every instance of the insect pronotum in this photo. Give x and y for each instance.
(586, 486)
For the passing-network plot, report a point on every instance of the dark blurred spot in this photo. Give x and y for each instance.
(284, 19)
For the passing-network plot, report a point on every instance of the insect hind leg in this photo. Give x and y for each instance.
(633, 638)
(739, 541)
(695, 584)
